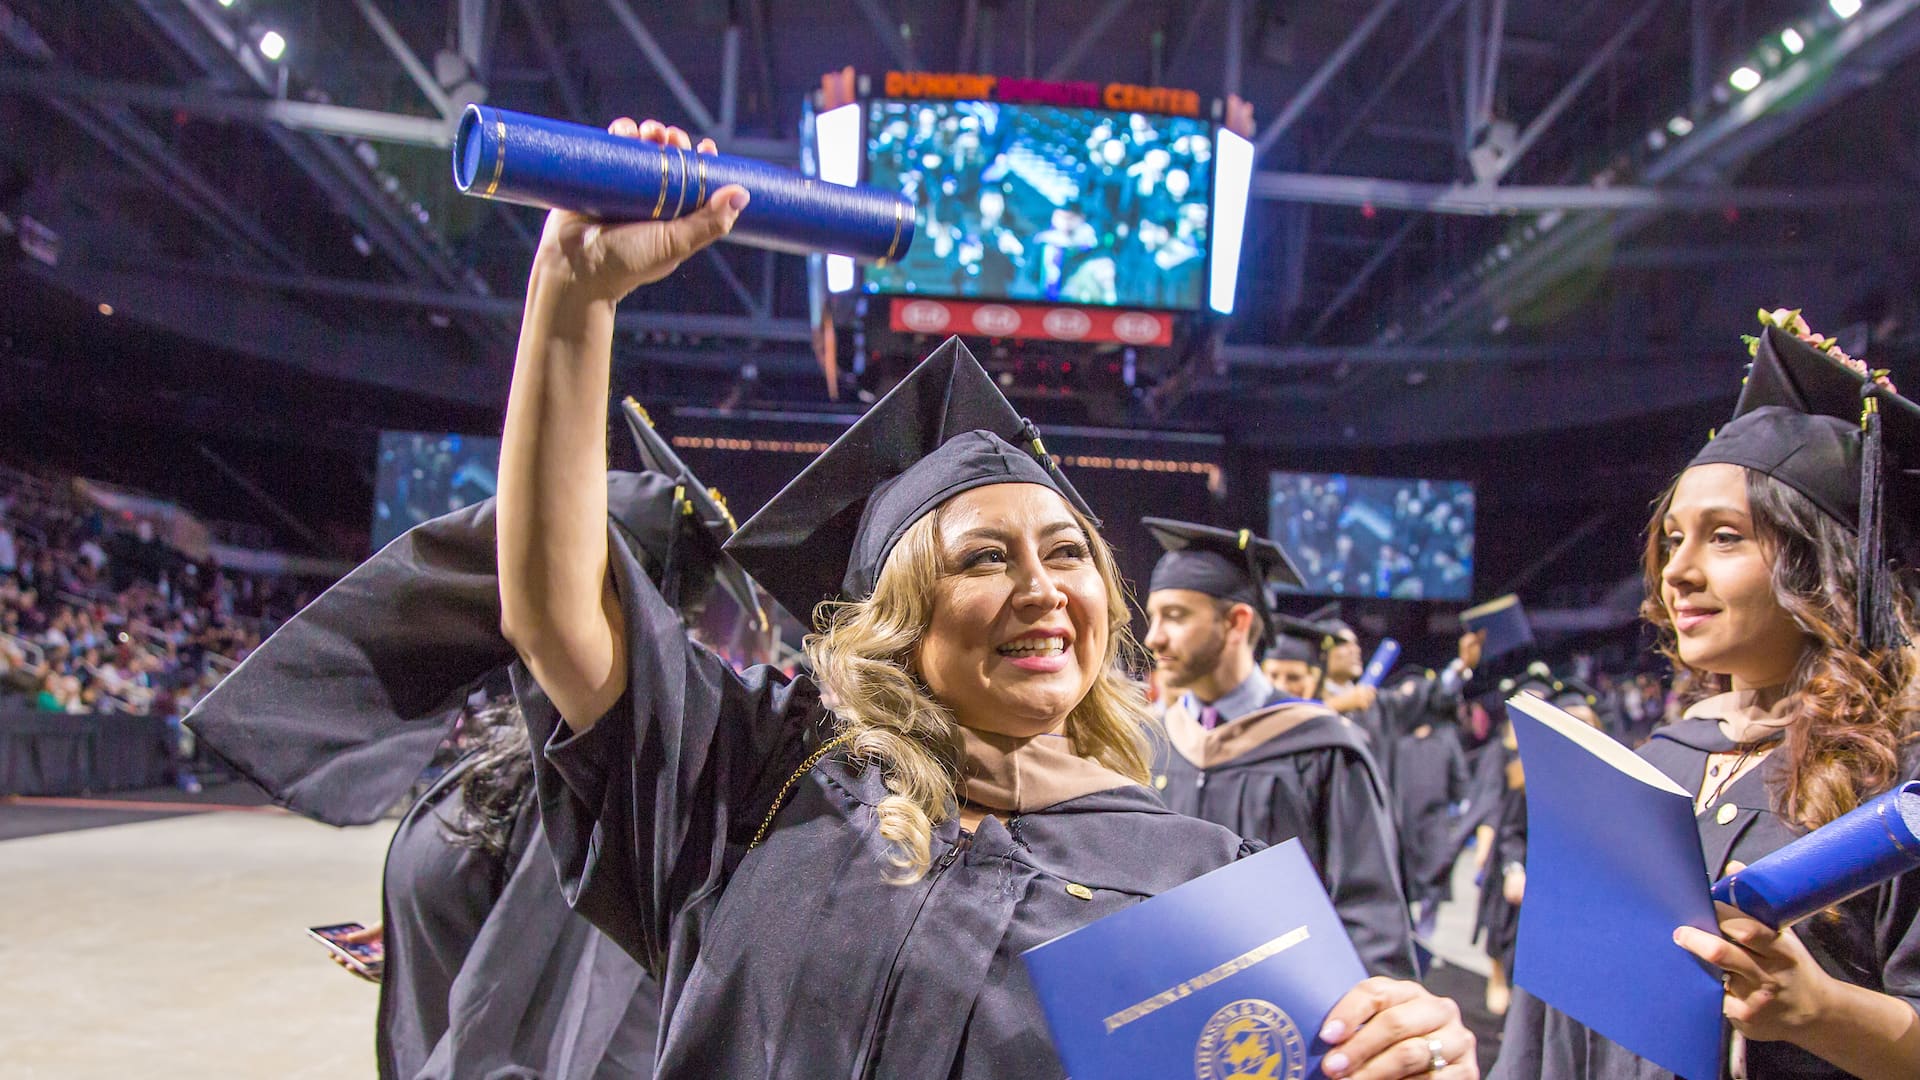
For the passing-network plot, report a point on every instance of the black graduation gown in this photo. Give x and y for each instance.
(1486, 788)
(1497, 919)
(1313, 779)
(798, 958)
(1875, 942)
(336, 714)
(1430, 777)
(489, 973)
(1400, 705)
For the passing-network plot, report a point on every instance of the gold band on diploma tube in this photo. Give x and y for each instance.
(681, 202)
(499, 155)
(662, 204)
(899, 222)
(1200, 982)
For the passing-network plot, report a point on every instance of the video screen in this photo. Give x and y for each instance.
(422, 476)
(1375, 536)
(1045, 203)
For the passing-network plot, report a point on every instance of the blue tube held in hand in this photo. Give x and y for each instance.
(1849, 855)
(1382, 662)
(535, 161)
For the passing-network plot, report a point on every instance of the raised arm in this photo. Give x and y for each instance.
(557, 600)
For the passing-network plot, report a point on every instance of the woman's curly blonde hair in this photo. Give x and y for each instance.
(863, 658)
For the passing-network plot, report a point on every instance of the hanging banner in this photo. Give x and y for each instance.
(1120, 97)
(1045, 321)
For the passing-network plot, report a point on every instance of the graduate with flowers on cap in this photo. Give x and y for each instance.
(1780, 578)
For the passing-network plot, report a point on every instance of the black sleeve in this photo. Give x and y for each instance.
(1358, 860)
(1459, 778)
(1510, 842)
(1897, 933)
(639, 809)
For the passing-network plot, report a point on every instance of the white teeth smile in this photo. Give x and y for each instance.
(1052, 646)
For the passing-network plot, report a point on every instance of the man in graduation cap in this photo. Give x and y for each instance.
(1292, 659)
(1257, 760)
(337, 714)
(1382, 714)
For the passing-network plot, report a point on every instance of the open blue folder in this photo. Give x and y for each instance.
(1613, 866)
(1231, 974)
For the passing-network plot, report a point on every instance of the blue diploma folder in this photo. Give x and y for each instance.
(1613, 867)
(1231, 974)
(1505, 623)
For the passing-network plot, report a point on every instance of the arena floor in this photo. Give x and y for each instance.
(174, 945)
(177, 947)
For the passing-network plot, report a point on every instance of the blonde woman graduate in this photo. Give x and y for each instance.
(836, 874)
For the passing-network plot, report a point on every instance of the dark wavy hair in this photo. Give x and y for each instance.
(497, 782)
(1851, 716)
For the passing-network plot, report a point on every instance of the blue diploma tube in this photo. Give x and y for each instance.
(1849, 855)
(535, 161)
(1382, 662)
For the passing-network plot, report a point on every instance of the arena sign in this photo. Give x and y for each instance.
(1043, 321)
(1120, 97)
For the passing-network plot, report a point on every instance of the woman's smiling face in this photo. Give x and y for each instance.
(1019, 625)
(1717, 583)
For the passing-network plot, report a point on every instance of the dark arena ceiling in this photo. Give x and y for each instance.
(290, 269)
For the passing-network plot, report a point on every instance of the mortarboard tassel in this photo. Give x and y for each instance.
(1879, 629)
(1030, 435)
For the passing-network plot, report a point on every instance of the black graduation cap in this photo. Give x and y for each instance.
(1295, 638)
(1333, 628)
(1227, 564)
(945, 429)
(1571, 690)
(684, 572)
(1833, 434)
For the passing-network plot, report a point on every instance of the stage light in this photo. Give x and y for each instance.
(837, 134)
(226, 3)
(1232, 184)
(272, 45)
(1679, 126)
(1791, 39)
(1846, 9)
(106, 308)
(1656, 139)
(1744, 79)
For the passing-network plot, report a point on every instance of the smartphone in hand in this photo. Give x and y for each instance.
(366, 959)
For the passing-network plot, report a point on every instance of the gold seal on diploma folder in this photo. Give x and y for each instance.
(1250, 1039)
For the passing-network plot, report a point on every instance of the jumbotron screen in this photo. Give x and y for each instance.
(424, 475)
(1375, 536)
(1045, 203)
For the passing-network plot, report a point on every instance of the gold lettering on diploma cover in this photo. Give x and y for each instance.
(1250, 1039)
(1200, 982)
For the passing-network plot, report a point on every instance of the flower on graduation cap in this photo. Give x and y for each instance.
(1793, 322)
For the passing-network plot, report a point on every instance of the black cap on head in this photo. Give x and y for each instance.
(1222, 563)
(1850, 445)
(945, 429)
(689, 551)
(1799, 421)
(1295, 638)
(1225, 563)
